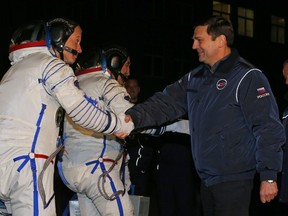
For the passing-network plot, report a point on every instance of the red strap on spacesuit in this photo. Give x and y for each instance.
(109, 160)
(27, 45)
(42, 156)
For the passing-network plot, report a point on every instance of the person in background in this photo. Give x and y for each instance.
(142, 150)
(233, 117)
(285, 71)
(133, 88)
(34, 93)
(283, 193)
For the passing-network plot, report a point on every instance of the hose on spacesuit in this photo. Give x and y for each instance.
(102, 180)
(60, 147)
(40, 178)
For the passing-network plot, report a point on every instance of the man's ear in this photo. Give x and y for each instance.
(222, 40)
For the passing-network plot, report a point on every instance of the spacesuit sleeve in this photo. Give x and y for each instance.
(60, 81)
(115, 96)
(180, 126)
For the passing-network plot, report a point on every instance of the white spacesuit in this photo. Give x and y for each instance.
(93, 162)
(31, 94)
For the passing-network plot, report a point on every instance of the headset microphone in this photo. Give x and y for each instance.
(124, 78)
(68, 49)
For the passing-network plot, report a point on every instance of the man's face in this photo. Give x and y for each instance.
(285, 73)
(73, 42)
(207, 49)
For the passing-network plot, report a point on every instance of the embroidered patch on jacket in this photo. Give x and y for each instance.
(221, 84)
(261, 92)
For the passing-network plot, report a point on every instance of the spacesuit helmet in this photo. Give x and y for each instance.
(30, 34)
(59, 30)
(114, 57)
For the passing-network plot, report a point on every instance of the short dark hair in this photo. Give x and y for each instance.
(218, 25)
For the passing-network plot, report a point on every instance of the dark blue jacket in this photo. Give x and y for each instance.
(234, 120)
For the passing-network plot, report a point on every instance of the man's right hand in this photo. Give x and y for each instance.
(126, 125)
(121, 135)
(128, 118)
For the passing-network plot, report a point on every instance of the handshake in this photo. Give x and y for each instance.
(127, 126)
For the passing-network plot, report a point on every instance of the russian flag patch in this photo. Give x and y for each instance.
(262, 92)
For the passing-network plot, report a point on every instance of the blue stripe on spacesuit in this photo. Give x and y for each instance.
(26, 159)
(63, 80)
(35, 191)
(120, 207)
(89, 118)
(52, 71)
(102, 165)
(109, 122)
(32, 161)
(73, 110)
(44, 78)
(47, 74)
(96, 162)
(90, 100)
(116, 95)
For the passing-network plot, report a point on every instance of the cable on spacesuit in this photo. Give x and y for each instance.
(102, 179)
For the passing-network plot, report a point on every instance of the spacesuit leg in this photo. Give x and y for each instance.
(21, 189)
(86, 205)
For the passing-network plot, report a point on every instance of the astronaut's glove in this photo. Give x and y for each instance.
(181, 126)
(125, 127)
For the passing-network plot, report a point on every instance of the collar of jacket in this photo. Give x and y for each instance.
(224, 65)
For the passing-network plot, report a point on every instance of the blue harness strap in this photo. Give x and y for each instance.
(31, 156)
(105, 174)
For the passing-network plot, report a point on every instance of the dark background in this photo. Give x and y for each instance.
(156, 32)
(158, 35)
